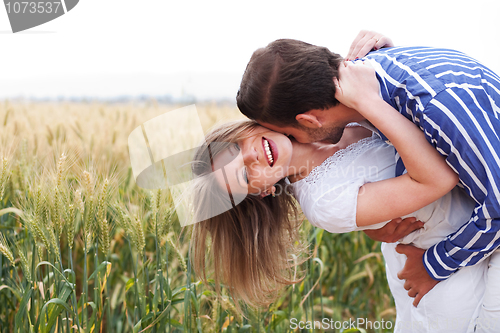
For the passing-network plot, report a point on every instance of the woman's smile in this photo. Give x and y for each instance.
(270, 150)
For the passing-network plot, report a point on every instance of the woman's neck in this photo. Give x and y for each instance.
(307, 156)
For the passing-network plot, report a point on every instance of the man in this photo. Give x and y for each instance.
(289, 87)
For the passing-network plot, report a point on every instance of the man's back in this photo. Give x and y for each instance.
(411, 76)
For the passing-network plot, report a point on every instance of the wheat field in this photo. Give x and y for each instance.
(84, 249)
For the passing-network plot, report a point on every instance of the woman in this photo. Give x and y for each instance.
(340, 188)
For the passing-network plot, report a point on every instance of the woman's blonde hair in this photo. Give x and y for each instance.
(251, 245)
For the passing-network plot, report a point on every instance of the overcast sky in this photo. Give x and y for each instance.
(106, 48)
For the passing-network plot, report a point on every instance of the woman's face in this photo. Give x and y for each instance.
(256, 163)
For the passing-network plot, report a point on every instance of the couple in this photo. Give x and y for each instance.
(427, 147)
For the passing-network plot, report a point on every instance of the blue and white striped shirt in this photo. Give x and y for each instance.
(456, 102)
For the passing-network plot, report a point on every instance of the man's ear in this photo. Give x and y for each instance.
(308, 119)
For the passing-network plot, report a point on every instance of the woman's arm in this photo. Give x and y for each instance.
(428, 176)
(366, 41)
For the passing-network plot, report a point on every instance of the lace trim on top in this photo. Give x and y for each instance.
(346, 156)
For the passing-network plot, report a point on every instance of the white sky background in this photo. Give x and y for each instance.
(106, 48)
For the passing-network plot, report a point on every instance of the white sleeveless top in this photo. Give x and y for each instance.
(328, 195)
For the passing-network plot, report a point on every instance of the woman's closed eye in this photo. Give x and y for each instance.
(244, 172)
(234, 149)
(245, 175)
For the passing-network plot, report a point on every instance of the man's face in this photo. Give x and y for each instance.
(333, 121)
(307, 135)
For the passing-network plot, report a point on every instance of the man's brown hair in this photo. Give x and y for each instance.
(286, 78)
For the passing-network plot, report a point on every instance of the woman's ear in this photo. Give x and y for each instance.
(308, 119)
(270, 190)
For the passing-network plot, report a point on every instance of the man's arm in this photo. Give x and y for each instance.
(466, 131)
(459, 127)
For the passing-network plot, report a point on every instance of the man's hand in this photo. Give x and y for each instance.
(365, 41)
(394, 230)
(417, 280)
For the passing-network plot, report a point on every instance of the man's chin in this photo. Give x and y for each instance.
(323, 135)
(333, 137)
(329, 141)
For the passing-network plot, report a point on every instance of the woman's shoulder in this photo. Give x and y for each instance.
(342, 165)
